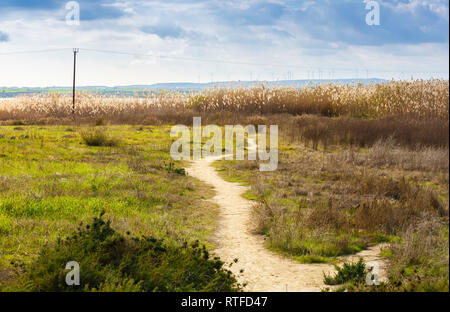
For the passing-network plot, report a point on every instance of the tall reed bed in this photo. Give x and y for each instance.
(419, 98)
(424, 98)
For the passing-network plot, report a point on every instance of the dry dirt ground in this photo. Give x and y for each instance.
(262, 269)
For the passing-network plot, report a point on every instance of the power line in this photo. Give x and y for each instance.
(248, 63)
(189, 58)
(221, 61)
(34, 51)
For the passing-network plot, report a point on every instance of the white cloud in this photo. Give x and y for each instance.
(273, 39)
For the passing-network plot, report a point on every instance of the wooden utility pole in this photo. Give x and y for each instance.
(75, 51)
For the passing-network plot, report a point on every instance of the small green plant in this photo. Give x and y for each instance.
(98, 137)
(172, 169)
(349, 272)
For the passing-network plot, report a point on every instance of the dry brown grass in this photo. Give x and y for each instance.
(57, 108)
(420, 98)
(424, 98)
(389, 154)
(408, 131)
(355, 212)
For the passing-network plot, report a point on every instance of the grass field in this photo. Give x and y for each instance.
(51, 180)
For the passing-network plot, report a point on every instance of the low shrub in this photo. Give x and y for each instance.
(348, 272)
(110, 261)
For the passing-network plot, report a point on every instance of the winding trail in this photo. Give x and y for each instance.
(263, 270)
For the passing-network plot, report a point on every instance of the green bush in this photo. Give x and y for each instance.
(111, 262)
(349, 272)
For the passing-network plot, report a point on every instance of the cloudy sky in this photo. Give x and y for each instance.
(220, 40)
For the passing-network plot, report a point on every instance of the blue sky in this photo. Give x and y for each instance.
(255, 39)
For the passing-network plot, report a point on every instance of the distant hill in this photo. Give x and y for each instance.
(174, 86)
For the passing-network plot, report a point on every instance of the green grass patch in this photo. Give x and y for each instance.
(315, 259)
(50, 179)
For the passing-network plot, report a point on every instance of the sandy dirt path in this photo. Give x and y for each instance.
(263, 270)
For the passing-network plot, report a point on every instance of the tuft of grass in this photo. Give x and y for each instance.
(100, 122)
(17, 123)
(98, 137)
(314, 259)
